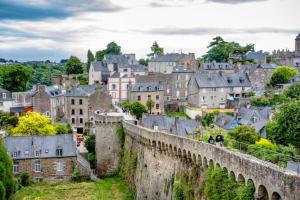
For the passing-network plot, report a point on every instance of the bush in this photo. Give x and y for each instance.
(282, 75)
(260, 101)
(63, 128)
(91, 157)
(208, 119)
(2, 191)
(244, 134)
(263, 149)
(90, 143)
(292, 91)
(25, 179)
(76, 175)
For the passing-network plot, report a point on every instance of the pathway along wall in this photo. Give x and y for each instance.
(160, 155)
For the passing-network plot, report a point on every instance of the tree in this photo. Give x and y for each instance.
(150, 104)
(15, 78)
(100, 55)
(220, 50)
(7, 183)
(74, 66)
(156, 50)
(208, 119)
(143, 61)
(282, 75)
(137, 109)
(90, 59)
(284, 128)
(90, 144)
(244, 134)
(292, 91)
(113, 48)
(34, 124)
(24, 180)
(63, 128)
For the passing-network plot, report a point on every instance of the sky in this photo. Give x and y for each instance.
(56, 29)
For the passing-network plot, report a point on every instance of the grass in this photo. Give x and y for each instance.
(178, 114)
(103, 189)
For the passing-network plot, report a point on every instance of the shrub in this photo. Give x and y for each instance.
(91, 157)
(25, 179)
(264, 149)
(292, 91)
(244, 134)
(2, 191)
(76, 175)
(63, 128)
(259, 101)
(208, 119)
(90, 143)
(282, 75)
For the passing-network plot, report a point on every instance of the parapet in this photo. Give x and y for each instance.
(108, 118)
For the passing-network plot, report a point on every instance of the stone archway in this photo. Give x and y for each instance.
(275, 196)
(262, 193)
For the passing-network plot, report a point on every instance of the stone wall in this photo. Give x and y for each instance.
(162, 154)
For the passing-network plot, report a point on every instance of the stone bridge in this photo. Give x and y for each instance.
(271, 182)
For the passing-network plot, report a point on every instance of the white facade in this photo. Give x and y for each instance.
(94, 76)
(5, 106)
(161, 67)
(118, 88)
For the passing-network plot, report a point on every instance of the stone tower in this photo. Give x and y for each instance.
(297, 43)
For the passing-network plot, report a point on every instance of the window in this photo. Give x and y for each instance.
(177, 93)
(149, 96)
(59, 166)
(38, 153)
(47, 114)
(38, 180)
(92, 118)
(72, 101)
(80, 120)
(73, 112)
(157, 106)
(15, 154)
(73, 120)
(80, 101)
(125, 70)
(178, 77)
(157, 97)
(81, 112)
(4, 95)
(59, 152)
(138, 98)
(16, 168)
(37, 166)
(187, 77)
(113, 86)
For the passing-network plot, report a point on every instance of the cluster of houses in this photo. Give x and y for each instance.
(170, 80)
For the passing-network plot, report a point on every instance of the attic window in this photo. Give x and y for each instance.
(241, 80)
(59, 152)
(26, 152)
(229, 80)
(46, 150)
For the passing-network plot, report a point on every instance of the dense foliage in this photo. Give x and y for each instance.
(208, 119)
(63, 128)
(90, 145)
(24, 179)
(112, 48)
(220, 50)
(150, 104)
(74, 66)
(244, 134)
(136, 108)
(218, 185)
(7, 182)
(293, 91)
(282, 75)
(90, 59)
(34, 124)
(284, 128)
(15, 78)
(155, 50)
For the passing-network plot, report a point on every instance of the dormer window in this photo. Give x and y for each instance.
(229, 80)
(59, 152)
(242, 80)
(16, 154)
(38, 153)
(4, 95)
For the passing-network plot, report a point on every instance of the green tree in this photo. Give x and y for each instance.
(156, 50)
(74, 66)
(14, 78)
(113, 48)
(143, 61)
(100, 55)
(137, 109)
(90, 144)
(34, 124)
(260, 101)
(24, 180)
(284, 128)
(292, 91)
(150, 104)
(7, 183)
(208, 119)
(90, 59)
(282, 75)
(63, 128)
(220, 50)
(244, 134)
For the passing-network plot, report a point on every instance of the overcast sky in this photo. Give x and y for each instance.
(56, 29)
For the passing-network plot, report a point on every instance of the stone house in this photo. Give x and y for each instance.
(259, 74)
(214, 67)
(82, 101)
(180, 78)
(45, 158)
(5, 100)
(49, 101)
(165, 63)
(213, 90)
(118, 87)
(259, 57)
(98, 73)
(22, 102)
(142, 92)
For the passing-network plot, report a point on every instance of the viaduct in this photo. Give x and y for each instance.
(271, 182)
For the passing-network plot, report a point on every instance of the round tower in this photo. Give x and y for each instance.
(297, 43)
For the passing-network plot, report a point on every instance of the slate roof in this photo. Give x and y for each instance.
(217, 66)
(83, 90)
(170, 57)
(225, 121)
(247, 115)
(259, 55)
(172, 125)
(116, 59)
(27, 145)
(298, 37)
(138, 68)
(99, 67)
(182, 69)
(53, 91)
(205, 80)
(147, 87)
(8, 95)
